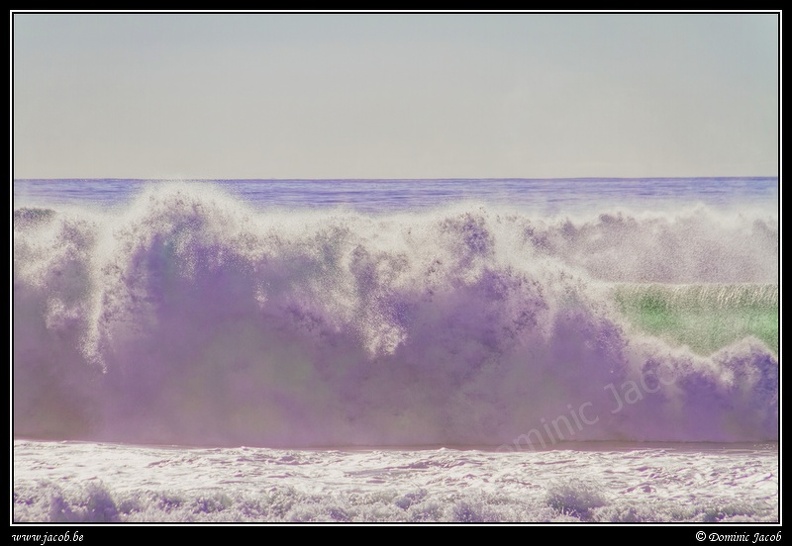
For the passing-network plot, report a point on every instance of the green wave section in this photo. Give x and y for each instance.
(705, 317)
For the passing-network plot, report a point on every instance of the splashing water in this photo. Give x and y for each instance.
(190, 316)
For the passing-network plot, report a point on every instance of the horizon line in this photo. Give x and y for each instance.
(397, 179)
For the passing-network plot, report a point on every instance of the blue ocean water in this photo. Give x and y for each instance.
(336, 317)
(542, 195)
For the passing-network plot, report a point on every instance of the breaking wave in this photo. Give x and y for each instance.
(189, 317)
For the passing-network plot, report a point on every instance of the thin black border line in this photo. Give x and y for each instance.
(397, 12)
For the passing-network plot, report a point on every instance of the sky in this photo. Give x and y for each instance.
(266, 95)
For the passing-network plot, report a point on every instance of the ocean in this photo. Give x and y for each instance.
(422, 351)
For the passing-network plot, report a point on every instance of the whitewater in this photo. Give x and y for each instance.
(501, 350)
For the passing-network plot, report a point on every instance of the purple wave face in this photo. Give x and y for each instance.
(190, 316)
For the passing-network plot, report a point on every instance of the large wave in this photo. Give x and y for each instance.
(189, 317)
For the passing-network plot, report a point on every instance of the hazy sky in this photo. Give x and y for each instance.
(394, 96)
